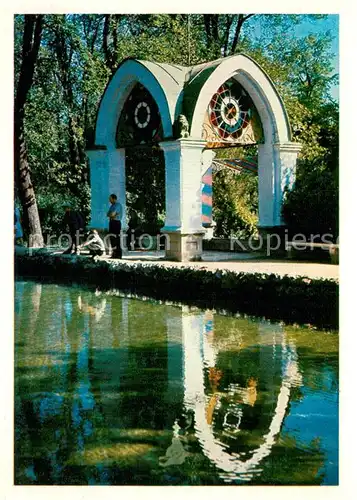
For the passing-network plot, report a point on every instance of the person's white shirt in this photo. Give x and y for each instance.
(94, 241)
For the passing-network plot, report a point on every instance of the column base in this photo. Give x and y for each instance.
(183, 247)
(209, 231)
(273, 239)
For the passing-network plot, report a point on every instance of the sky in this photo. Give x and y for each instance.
(320, 26)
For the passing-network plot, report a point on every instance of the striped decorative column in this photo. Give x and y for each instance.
(207, 198)
(207, 193)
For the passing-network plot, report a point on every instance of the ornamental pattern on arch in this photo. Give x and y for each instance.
(231, 118)
(140, 121)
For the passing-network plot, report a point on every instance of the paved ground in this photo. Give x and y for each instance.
(249, 263)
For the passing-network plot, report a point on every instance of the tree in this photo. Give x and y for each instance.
(312, 207)
(223, 32)
(110, 41)
(33, 25)
(60, 113)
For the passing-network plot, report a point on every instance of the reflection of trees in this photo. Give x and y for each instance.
(32, 365)
(26, 324)
(87, 384)
(146, 368)
(49, 414)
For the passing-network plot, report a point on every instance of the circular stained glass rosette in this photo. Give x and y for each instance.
(140, 121)
(227, 114)
(142, 114)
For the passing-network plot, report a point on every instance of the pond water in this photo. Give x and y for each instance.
(114, 391)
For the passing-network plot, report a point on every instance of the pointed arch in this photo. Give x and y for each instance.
(129, 73)
(257, 84)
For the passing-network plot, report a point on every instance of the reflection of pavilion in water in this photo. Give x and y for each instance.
(256, 402)
(228, 395)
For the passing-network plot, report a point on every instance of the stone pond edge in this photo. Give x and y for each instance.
(300, 300)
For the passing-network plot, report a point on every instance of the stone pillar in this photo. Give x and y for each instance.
(285, 163)
(98, 164)
(183, 179)
(276, 171)
(116, 180)
(107, 175)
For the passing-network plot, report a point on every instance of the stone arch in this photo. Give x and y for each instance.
(107, 161)
(258, 85)
(277, 155)
(130, 72)
(178, 90)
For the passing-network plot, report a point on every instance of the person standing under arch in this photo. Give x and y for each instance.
(114, 214)
(74, 221)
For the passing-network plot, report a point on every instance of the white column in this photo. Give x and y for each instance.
(116, 181)
(107, 175)
(98, 163)
(183, 185)
(276, 170)
(183, 198)
(285, 160)
(266, 185)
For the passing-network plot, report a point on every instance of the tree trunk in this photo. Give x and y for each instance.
(31, 44)
(229, 21)
(207, 22)
(110, 30)
(211, 22)
(241, 20)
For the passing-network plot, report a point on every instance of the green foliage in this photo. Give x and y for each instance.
(302, 73)
(235, 204)
(145, 183)
(312, 207)
(51, 208)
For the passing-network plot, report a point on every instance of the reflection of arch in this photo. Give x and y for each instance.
(197, 354)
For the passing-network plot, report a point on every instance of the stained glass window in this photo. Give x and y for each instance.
(140, 121)
(231, 118)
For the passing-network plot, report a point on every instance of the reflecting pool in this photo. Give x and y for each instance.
(114, 391)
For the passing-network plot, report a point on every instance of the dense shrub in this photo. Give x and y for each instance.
(311, 208)
(300, 299)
